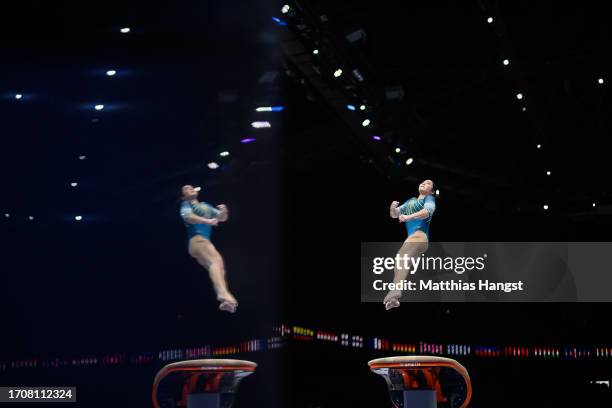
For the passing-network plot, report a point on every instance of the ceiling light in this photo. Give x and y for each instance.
(213, 165)
(111, 72)
(365, 123)
(78, 218)
(259, 125)
(125, 30)
(337, 73)
(409, 161)
(224, 154)
(99, 107)
(269, 109)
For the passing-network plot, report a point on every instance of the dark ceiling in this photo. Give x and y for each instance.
(180, 96)
(460, 119)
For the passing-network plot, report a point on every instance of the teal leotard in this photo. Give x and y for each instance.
(414, 205)
(201, 209)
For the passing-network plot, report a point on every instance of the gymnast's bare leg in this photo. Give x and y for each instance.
(207, 255)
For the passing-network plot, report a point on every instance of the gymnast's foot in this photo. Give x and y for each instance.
(227, 302)
(392, 299)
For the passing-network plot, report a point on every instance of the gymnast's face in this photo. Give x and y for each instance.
(189, 193)
(426, 187)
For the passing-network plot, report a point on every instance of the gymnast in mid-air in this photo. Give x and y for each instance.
(199, 218)
(416, 213)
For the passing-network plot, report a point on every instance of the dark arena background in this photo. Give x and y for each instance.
(108, 109)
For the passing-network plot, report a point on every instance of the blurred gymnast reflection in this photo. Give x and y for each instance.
(416, 213)
(199, 218)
